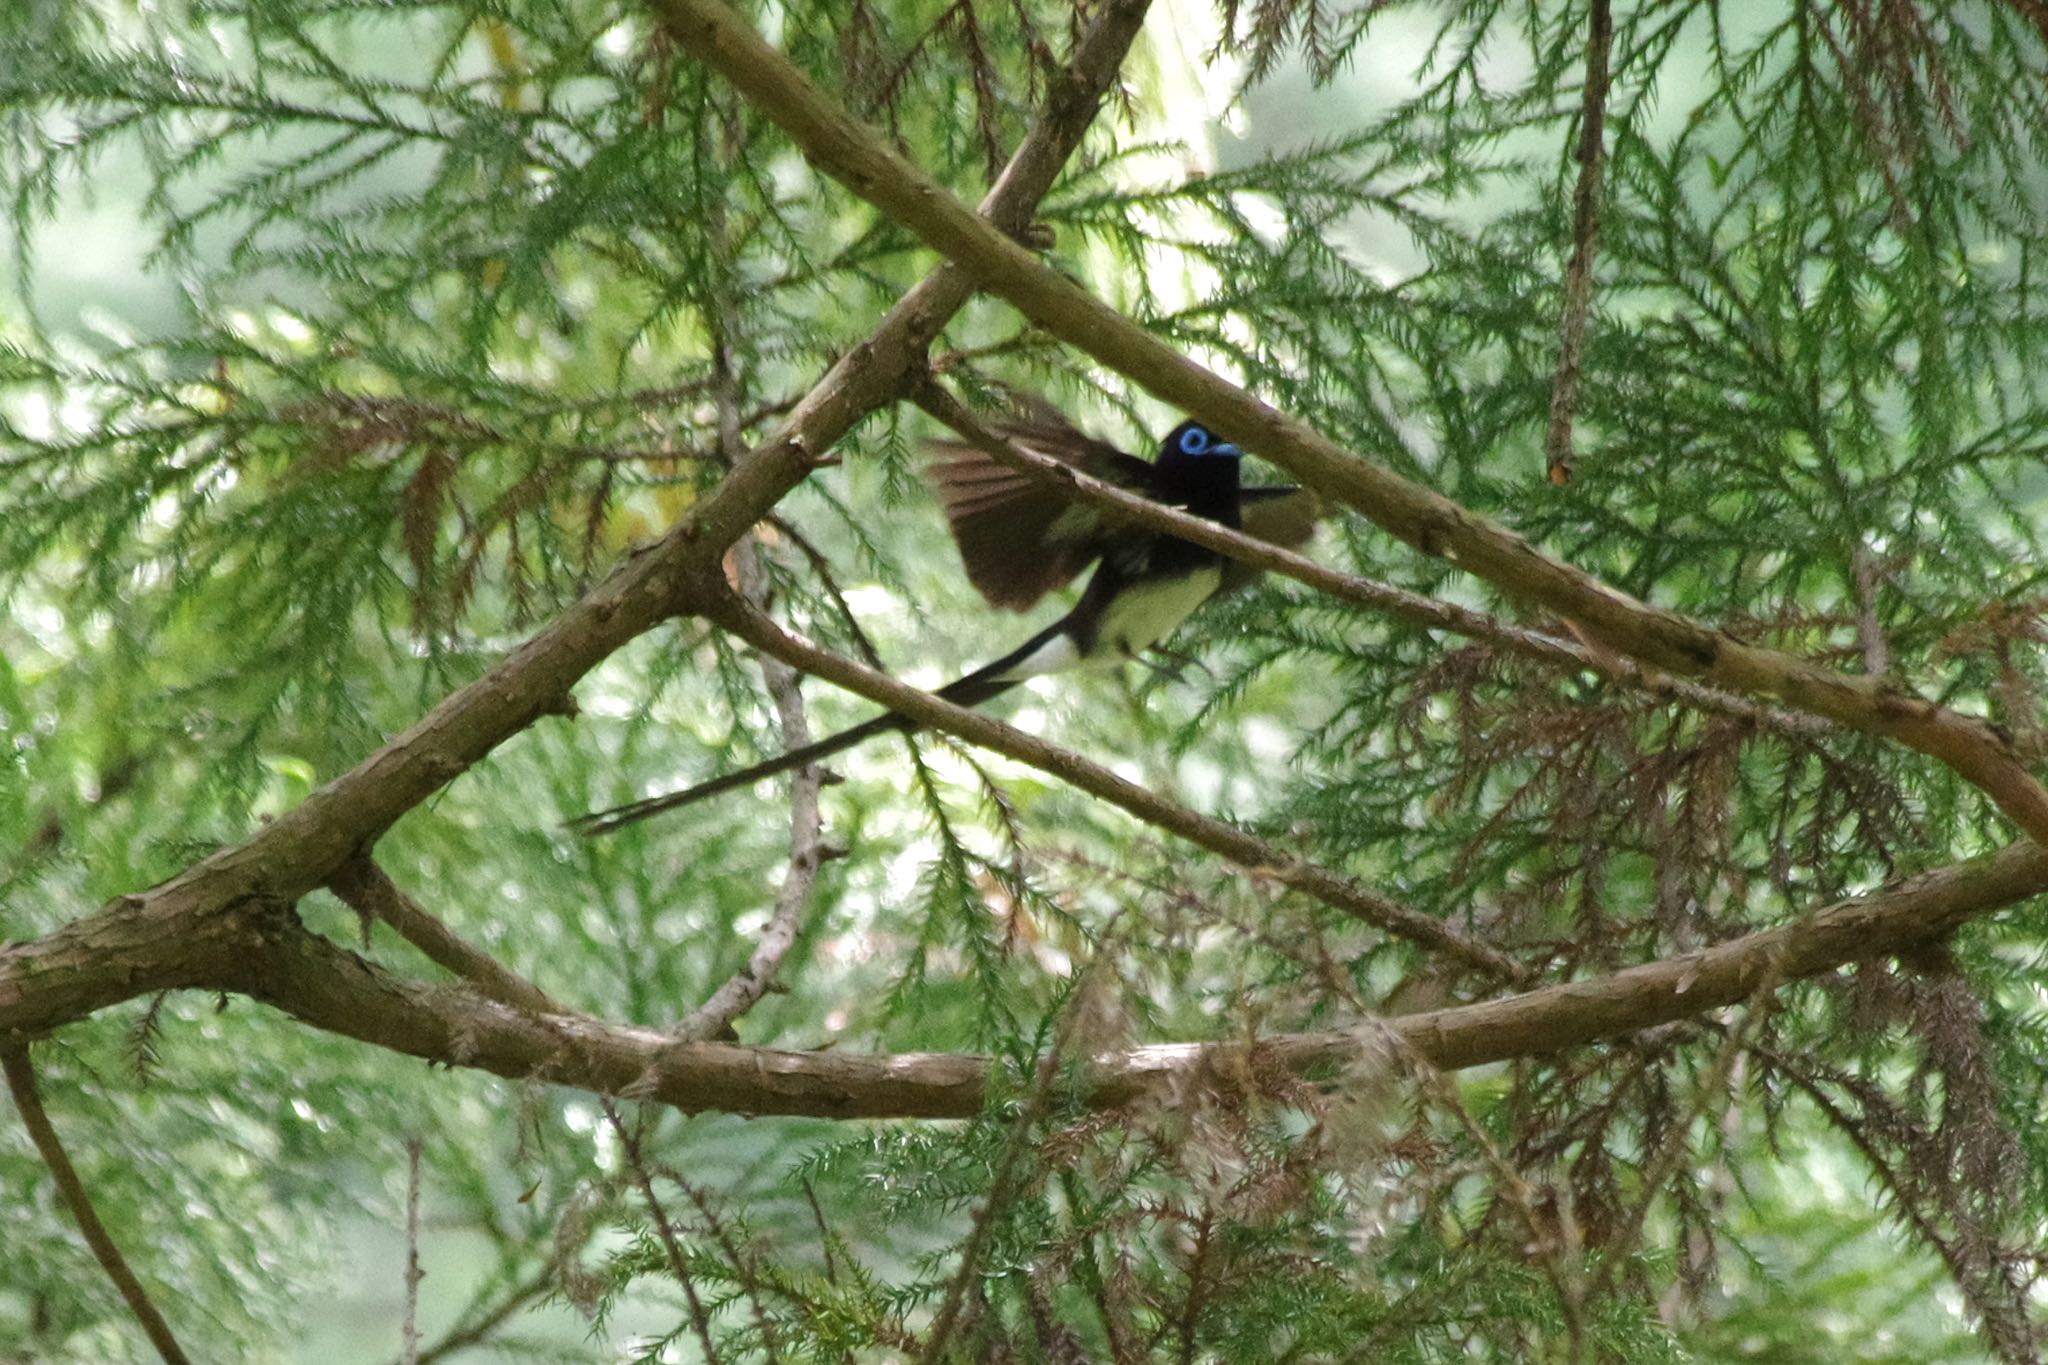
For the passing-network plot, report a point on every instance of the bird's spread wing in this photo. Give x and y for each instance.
(1284, 516)
(1020, 538)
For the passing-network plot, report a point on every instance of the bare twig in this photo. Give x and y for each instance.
(21, 1083)
(743, 1273)
(369, 891)
(409, 1326)
(807, 851)
(744, 989)
(1578, 279)
(491, 1319)
(824, 1230)
(1863, 572)
(629, 1148)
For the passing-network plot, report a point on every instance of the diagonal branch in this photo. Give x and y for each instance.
(849, 151)
(21, 1083)
(179, 932)
(1421, 609)
(807, 850)
(1228, 841)
(368, 890)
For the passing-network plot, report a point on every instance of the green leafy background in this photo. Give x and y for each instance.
(346, 343)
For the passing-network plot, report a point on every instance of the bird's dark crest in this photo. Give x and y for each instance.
(1020, 538)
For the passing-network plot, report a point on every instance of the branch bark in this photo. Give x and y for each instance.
(1246, 850)
(849, 151)
(185, 931)
(306, 976)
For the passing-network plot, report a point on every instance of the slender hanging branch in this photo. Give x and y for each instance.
(21, 1083)
(807, 848)
(1578, 276)
(849, 151)
(409, 1322)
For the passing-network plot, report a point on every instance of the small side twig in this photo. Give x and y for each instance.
(409, 1330)
(1863, 572)
(629, 1147)
(21, 1083)
(749, 1282)
(829, 581)
(824, 1230)
(369, 891)
(1578, 279)
(492, 1318)
(1002, 1179)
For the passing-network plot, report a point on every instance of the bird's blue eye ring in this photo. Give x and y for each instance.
(1194, 441)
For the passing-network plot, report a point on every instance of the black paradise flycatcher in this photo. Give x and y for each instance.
(1020, 538)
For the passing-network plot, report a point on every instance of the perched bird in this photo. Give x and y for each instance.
(1020, 538)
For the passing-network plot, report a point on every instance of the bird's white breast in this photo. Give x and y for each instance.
(1138, 618)
(1145, 613)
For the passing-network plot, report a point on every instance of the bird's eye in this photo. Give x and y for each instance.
(1194, 441)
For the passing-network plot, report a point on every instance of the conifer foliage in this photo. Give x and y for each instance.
(1591, 912)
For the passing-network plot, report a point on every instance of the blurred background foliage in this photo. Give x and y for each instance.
(347, 342)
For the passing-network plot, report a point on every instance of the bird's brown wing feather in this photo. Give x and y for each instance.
(1284, 516)
(1021, 538)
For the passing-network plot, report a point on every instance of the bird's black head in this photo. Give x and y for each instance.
(1193, 441)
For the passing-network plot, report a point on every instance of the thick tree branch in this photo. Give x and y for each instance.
(854, 154)
(178, 933)
(268, 956)
(1246, 850)
(308, 977)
